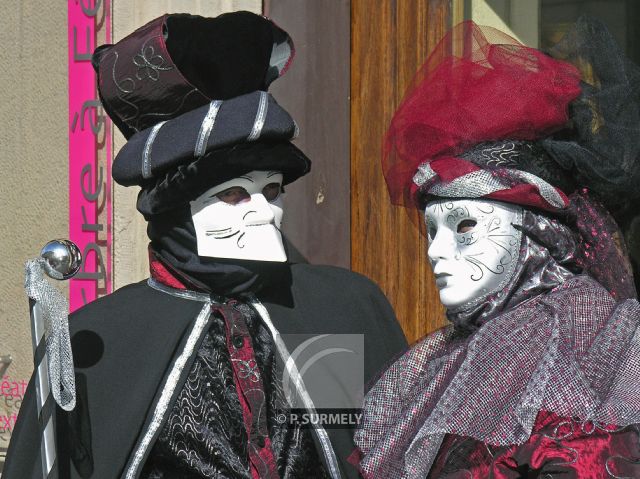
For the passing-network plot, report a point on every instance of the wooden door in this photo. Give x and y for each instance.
(354, 62)
(389, 42)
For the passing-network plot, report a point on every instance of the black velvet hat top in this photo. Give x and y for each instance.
(179, 62)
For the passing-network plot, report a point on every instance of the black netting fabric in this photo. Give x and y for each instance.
(603, 148)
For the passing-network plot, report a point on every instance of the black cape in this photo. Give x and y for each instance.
(124, 344)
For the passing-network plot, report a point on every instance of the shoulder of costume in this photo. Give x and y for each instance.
(339, 277)
(135, 301)
(121, 294)
(353, 294)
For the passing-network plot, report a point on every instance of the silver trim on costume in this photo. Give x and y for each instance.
(280, 55)
(483, 182)
(206, 127)
(146, 153)
(296, 130)
(472, 185)
(261, 116)
(292, 369)
(179, 293)
(424, 174)
(548, 192)
(168, 389)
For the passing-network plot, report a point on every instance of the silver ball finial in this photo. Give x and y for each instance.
(62, 259)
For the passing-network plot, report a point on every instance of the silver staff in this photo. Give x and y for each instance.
(55, 380)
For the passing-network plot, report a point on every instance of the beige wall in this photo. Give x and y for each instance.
(130, 237)
(33, 159)
(519, 18)
(33, 164)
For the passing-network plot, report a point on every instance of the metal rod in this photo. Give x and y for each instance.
(44, 398)
(59, 259)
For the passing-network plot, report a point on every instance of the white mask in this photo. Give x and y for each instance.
(473, 248)
(241, 218)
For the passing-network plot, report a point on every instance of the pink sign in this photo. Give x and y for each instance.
(89, 153)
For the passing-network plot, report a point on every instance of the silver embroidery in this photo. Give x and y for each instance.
(146, 153)
(168, 389)
(292, 369)
(481, 183)
(150, 63)
(424, 174)
(261, 115)
(500, 155)
(206, 127)
(248, 370)
(629, 461)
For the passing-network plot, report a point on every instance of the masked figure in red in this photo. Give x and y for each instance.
(520, 161)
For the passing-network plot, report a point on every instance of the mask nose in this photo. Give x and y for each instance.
(443, 246)
(258, 211)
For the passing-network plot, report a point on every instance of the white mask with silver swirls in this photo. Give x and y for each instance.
(241, 218)
(473, 248)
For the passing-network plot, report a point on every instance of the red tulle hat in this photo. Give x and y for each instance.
(473, 109)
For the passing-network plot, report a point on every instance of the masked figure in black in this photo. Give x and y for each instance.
(190, 374)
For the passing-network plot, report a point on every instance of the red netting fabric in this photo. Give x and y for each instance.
(478, 85)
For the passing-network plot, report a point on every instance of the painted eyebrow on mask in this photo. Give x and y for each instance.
(272, 173)
(246, 178)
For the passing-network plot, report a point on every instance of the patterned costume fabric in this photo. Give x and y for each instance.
(183, 382)
(551, 340)
(135, 349)
(558, 447)
(573, 351)
(224, 423)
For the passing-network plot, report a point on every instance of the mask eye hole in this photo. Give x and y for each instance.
(431, 232)
(272, 191)
(466, 225)
(233, 195)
